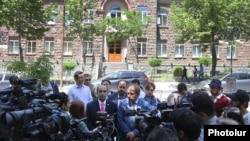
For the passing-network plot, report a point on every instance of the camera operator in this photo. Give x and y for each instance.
(126, 124)
(48, 86)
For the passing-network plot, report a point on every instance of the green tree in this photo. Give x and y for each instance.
(128, 26)
(76, 12)
(205, 60)
(206, 21)
(27, 17)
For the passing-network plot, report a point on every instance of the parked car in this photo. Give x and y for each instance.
(4, 80)
(242, 81)
(127, 75)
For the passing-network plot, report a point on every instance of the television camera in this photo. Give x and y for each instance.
(103, 132)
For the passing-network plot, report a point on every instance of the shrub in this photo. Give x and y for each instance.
(205, 60)
(178, 71)
(155, 62)
(69, 65)
(248, 63)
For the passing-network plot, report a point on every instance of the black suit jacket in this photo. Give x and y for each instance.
(93, 107)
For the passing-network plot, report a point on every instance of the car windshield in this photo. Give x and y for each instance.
(219, 76)
(111, 76)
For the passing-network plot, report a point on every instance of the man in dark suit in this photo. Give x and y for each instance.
(116, 97)
(100, 104)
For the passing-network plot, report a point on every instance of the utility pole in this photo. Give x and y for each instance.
(62, 50)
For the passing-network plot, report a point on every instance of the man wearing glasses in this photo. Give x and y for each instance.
(87, 82)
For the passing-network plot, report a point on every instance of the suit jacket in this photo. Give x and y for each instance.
(114, 97)
(93, 107)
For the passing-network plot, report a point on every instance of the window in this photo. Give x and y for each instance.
(115, 11)
(13, 45)
(162, 48)
(52, 19)
(216, 50)
(49, 45)
(162, 17)
(126, 75)
(179, 50)
(67, 19)
(67, 47)
(143, 13)
(197, 51)
(141, 46)
(229, 49)
(31, 46)
(89, 17)
(89, 47)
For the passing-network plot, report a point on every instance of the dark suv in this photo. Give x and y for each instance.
(127, 75)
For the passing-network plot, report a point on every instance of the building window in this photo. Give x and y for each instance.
(67, 50)
(179, 50)
(162, 48)
(89, 16)
(162, 17)
(52, 20)
(31, 46)
(229, 49)
(143, 13)
(216, 50)
(68, 20)
(115, 11)
(13, 45)
(197, 51)
(141, 46)
(49, 45)
(89, 47)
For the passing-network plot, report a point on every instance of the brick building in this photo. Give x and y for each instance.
(160, 40)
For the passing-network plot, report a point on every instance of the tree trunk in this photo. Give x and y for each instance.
(20, 48)
(214, 56)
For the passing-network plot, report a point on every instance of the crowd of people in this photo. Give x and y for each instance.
(187, 122)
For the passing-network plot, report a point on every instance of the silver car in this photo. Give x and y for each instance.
(4, 80)
(242, 82)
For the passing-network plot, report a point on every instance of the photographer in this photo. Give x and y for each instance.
(126, 124)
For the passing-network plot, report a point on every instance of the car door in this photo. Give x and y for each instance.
(243, 81)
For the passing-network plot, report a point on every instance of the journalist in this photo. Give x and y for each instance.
(126, 123)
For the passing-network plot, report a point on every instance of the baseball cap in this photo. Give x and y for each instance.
(240, 95)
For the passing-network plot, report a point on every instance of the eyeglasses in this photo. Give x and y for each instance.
(100, 91)
(87, 79)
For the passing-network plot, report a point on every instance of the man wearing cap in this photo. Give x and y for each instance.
(220, 100)
(241, 99)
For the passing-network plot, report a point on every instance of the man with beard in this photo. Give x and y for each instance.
(220, 99)
(116, 97)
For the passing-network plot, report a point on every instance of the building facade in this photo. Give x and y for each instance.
(159, 41)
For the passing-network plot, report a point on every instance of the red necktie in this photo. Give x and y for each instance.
(102, 107)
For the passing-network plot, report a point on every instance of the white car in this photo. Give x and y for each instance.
(242, 82)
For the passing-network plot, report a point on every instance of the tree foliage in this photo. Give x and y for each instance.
(75, 13)
(208, 21)
(127, 26)
(27, 17)
(69, 65)
(155, 62)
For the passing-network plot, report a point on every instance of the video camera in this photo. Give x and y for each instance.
(102, 133)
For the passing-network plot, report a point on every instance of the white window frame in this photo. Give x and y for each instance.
(32, 48)
(67, 50)
(179, 50)
(142, 46)
(161, 46)
(217, 50)
(89, 17)
(144, 13)
(117, 13)
(88, 45)
(53, 17)
(229, 52)
(51, 48)
(196, 51)
(163, 16)
(13, 49)
(67, 19)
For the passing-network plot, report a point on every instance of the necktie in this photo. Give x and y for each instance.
(102, 107)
